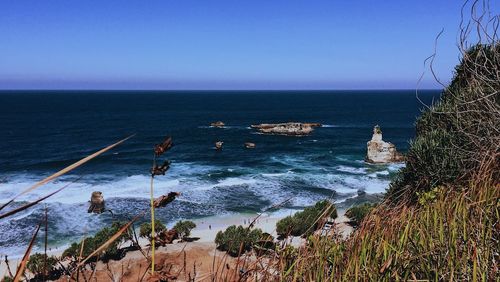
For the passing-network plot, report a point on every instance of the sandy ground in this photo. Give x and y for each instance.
(207, 228)
(201, 260)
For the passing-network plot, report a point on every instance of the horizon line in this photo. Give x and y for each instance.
(214, 90)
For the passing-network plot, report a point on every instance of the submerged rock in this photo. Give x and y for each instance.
(217, 124)
(288, 128)
(379, 151)
(96, 202)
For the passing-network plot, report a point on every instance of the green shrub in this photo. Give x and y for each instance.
(184, 228)
(287, 225)
(264, 244)
(145, 229)
(266, 237)
(237, 240)
(304, 223)
(92, 243)
(425, 198)
(459, 134)
(357, 213)
(36, 263)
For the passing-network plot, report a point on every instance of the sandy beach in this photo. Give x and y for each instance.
(203, 250)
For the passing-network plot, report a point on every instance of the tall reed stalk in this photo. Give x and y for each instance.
(158, 150)
(153, 234)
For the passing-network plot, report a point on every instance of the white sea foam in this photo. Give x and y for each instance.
(349, 169)
(273, 174)
(234, 181)
(396, 166)
(379, 173)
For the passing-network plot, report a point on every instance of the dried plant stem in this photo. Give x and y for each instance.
(8, 267)
(24, 261)
(46, 242)
(153, 237)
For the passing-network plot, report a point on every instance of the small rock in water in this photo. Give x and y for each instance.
(218, 145)
(218, 124)
(249, 145)
(96, 202)
(379, 151)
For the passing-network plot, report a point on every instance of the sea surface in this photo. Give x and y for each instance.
(41, 132)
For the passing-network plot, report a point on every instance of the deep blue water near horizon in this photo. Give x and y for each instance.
(41, 132)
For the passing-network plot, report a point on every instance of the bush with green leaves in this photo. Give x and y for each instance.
(304, 223)
(44, 267)
(426, 198)
(36, 263)
(184, 227)
(458, 135)
(90, 244)
(7, 279)
(145, 229)
(236, 240)
(357, 213)
(264, 244)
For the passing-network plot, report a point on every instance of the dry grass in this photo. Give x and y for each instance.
(455, 237)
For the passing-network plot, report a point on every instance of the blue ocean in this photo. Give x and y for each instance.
(41, 132)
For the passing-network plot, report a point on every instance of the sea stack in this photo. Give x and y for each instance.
(288, 128)
(379, 151)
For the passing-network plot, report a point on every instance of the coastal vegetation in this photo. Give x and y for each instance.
(44, 267)
(145, 229)
(452, 238)
(304, 223)
(357, 213)
(88, 245)
(458, 136)
(237, 240)
(184, 227)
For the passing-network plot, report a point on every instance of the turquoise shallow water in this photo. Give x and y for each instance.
(41, 132)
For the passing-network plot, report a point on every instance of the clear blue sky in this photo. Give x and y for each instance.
(232, 44)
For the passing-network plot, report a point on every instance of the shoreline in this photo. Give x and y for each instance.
(206, 229)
